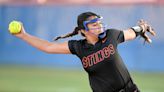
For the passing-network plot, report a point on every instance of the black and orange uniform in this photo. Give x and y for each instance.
(102, 62)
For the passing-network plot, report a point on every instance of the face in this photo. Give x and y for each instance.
(96, 27)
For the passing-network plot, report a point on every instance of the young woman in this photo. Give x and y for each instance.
(98, 51)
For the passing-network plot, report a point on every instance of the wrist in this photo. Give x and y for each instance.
(22, 35)
(137, 29)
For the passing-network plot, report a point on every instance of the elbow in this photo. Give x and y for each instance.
(48, 50)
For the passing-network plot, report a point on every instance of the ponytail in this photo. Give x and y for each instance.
(81, 18)
(75, 32)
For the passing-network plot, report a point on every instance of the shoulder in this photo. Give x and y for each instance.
(76, 41)
(75, 45)
(113, 31)
(116, 34)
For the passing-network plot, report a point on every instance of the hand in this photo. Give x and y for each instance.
(146, 28)
(22, 33)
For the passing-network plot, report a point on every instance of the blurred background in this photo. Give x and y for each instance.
(26, 69)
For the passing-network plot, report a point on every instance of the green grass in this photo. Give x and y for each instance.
(30, 79)
(149, 82)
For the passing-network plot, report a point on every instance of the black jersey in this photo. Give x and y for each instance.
(106, 70)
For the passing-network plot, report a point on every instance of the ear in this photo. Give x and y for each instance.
(83, 31)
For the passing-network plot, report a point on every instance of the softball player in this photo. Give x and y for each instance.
(97, 51)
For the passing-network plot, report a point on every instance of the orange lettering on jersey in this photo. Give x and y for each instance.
(99, 56)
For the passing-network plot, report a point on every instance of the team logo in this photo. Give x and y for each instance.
(97, 57)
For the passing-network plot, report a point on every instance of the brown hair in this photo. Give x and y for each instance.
(81, 18)
(75, 32)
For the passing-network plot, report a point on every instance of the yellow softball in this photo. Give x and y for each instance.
(14, 27)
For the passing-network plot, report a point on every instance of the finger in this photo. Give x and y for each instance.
(146, 37)
(151, 30)
(141, 22)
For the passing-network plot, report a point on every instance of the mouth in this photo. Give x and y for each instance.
(98, 32)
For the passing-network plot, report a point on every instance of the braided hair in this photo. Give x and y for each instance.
(81, 18)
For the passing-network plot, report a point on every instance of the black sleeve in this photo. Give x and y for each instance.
(118, 35)
(73, 46)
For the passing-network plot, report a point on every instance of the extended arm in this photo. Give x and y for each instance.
(43, 45)
(139, 30)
